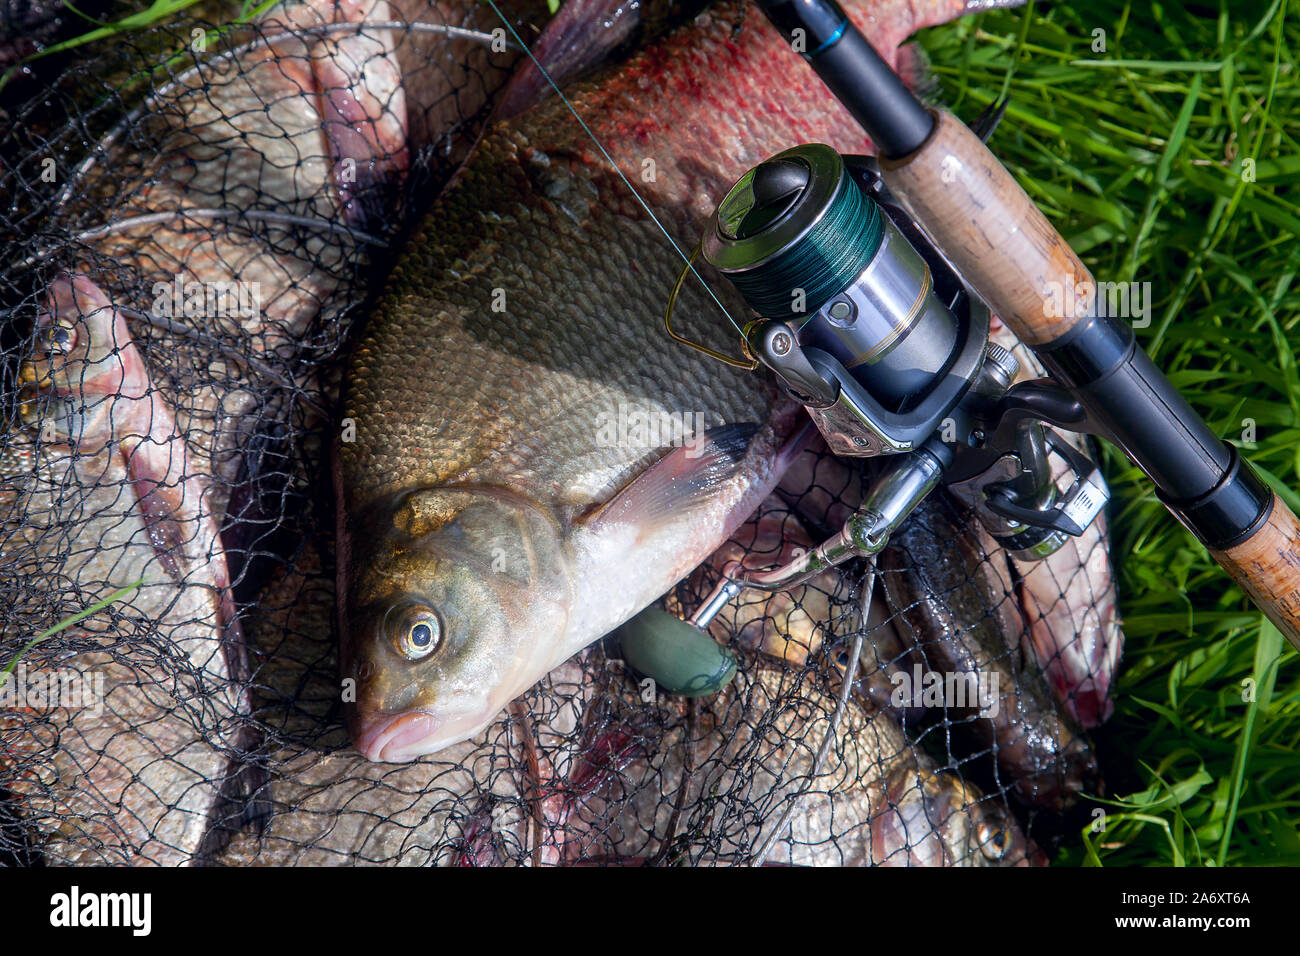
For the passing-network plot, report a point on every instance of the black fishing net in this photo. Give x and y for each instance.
(185, 254)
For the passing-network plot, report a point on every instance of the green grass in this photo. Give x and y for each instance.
(126, 17)
(66, 623)
(1137, 155)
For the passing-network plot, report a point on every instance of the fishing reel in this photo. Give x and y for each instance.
(868, 327)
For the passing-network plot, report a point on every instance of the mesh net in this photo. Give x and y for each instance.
(196, 717)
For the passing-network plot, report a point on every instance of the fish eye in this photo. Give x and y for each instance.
(993, 840)
(416, 630)
(62, 337)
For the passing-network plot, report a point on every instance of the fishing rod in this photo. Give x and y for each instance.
(874, 280)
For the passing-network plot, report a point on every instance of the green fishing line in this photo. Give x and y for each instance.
(825, 261)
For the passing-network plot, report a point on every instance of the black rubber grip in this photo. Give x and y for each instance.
(1099, 361)
(1231, 512)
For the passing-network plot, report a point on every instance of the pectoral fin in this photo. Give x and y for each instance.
(363, 109)
(685, 479)
(160, 506)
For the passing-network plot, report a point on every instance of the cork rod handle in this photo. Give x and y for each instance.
(990, 229)
(1267, 566)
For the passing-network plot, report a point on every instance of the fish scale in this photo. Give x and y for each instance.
(429, 329)
(448, 394)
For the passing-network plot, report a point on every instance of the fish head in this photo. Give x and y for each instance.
(453, 601)
(938, 819)
(84, 339)
(991, 834)
(976, 830)
(86, 360)
(1057, 760)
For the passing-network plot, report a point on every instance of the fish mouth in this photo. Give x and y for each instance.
(395, 738)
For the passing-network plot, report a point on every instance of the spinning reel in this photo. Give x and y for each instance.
(868, 327)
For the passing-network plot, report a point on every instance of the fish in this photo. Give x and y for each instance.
(498, 510)
(138, 410)
(1070, 597)
(724, 769)
(129, 773)
(236, 209)
(234, 212)
(950, 588)
(990, 620)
